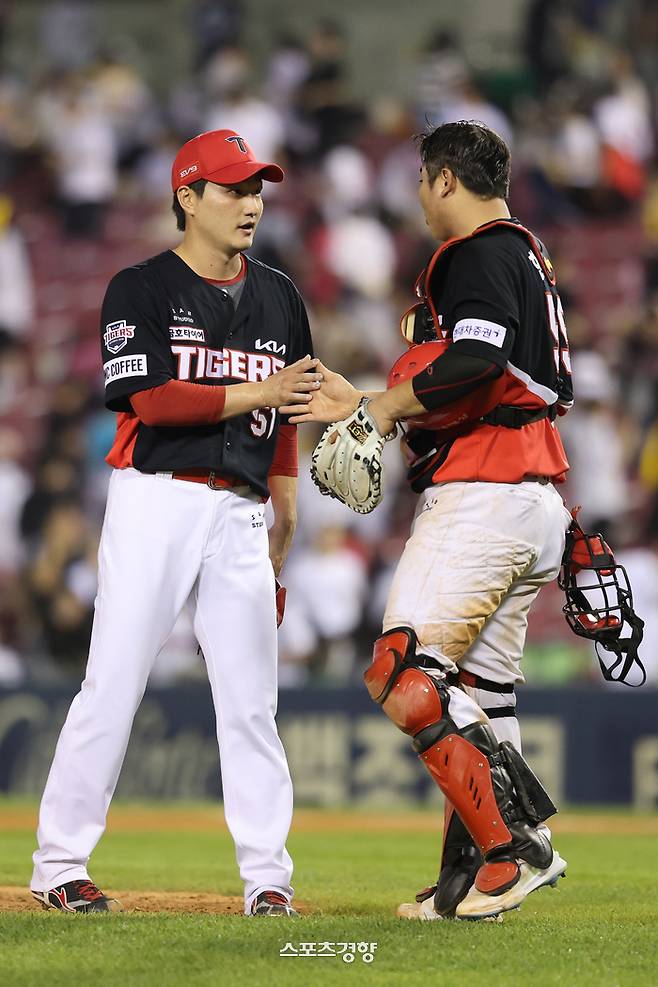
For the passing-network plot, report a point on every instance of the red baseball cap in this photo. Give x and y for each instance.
(220, 156)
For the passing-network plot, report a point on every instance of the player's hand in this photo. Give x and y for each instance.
(335, 399)
(292, 386)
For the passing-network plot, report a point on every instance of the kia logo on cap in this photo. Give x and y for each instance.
(188, 171)
(237, 140)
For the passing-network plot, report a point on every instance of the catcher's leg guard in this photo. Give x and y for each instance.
(472, 771)
(465, 763)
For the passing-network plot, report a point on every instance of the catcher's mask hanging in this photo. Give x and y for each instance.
(600, 602)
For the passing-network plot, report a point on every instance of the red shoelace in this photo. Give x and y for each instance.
(87, 890)
(274, 898)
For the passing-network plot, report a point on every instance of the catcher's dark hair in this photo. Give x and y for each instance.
(476, 155)
(178, 210)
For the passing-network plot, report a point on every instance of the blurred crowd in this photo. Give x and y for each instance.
(86, 144)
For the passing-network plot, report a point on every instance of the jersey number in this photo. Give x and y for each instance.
(262, 424)
(559, 332)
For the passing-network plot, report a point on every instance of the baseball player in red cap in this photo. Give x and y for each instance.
(201, 346)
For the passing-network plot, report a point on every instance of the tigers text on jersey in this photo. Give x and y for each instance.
(494, 294)
(161, 321)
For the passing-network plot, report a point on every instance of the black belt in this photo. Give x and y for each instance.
(511, 416)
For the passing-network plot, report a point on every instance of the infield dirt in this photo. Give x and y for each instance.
(208, 819)
(20, 900)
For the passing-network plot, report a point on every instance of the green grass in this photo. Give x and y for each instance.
(598, 930)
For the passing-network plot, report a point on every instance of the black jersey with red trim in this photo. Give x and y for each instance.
(494, 295)
(161, 321)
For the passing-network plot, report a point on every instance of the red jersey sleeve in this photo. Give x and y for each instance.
(179, 402)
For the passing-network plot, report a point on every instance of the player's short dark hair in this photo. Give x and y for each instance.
(477, 156)
(178, 210)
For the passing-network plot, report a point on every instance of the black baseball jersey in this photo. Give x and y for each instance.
(161, 321)
(493, 294)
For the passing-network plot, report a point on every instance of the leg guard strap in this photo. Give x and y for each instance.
(479, 682)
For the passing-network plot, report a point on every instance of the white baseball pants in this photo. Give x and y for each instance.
(476, 558)
(162, 540)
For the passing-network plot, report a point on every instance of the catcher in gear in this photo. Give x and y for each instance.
(478, 394)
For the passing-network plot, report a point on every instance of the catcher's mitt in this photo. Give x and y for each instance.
(347, 461)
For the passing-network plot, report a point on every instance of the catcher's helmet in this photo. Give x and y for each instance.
(469, 408)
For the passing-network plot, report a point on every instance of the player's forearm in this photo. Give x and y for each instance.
(178, 402)
(241, 399)
(398, 402)
(447, 379)
(453, 376)
(283, 491)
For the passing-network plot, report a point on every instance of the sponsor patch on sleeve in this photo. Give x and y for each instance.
(480, 329)
(125, 366)
(187, 332)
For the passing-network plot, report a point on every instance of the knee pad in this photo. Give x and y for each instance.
(411, 698)
(391, 650)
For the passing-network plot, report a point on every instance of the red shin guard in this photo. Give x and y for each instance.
(463, 775)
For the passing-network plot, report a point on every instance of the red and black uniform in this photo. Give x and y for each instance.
(494, 295)
(171, 342)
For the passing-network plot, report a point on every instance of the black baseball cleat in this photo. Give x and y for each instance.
(272, 903)
(77, 896)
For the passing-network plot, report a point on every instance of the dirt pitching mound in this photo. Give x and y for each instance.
(20, 900)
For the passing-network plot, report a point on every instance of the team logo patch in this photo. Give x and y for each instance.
(117, 334)
(125, 366)
(239, 141)
(187, 332)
